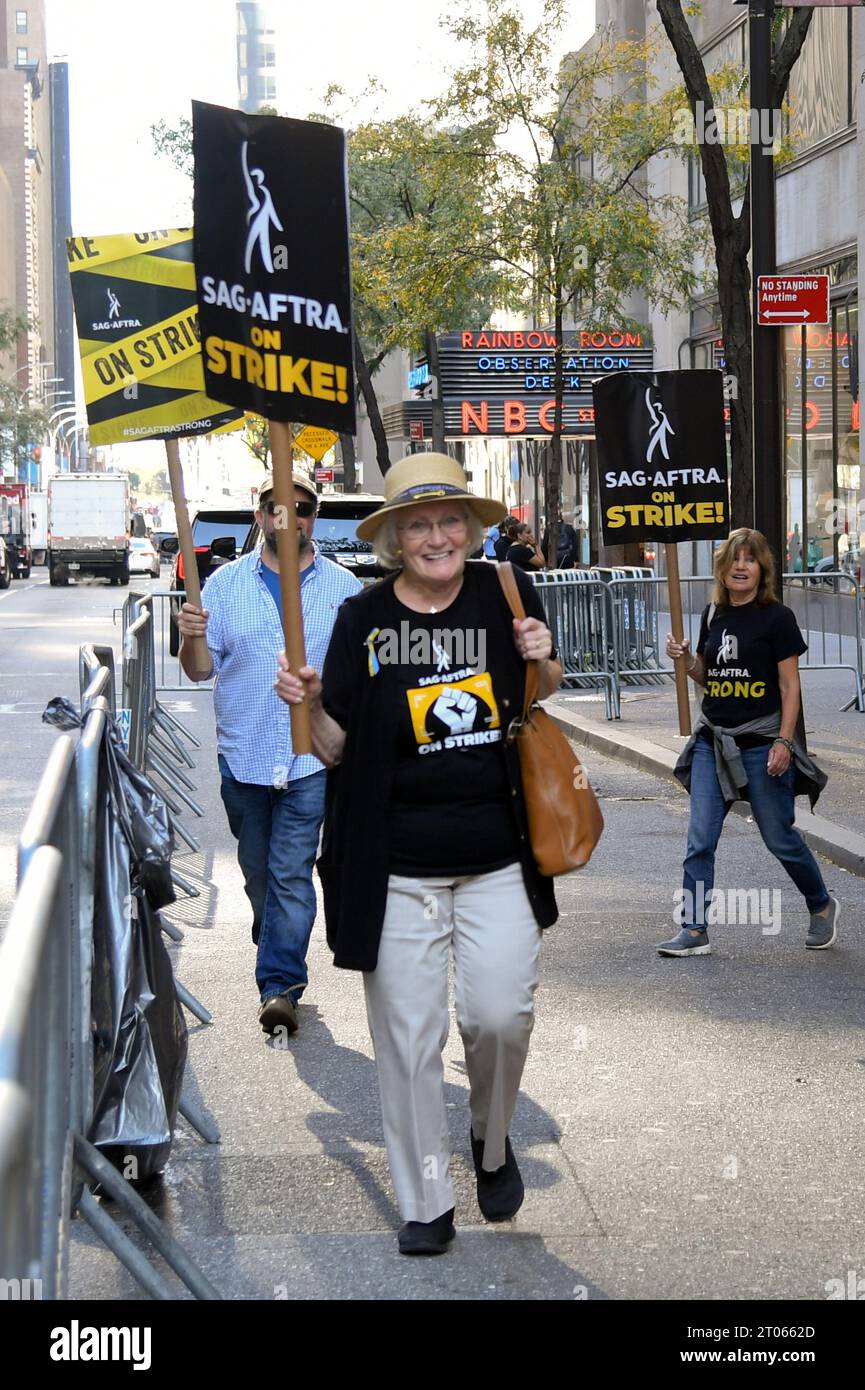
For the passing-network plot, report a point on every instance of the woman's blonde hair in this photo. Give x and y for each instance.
(386, 540)
(755, 543)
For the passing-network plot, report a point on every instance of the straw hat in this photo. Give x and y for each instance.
(427, 478)
(298, 479)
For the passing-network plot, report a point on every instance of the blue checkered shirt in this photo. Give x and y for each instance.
(244, 634)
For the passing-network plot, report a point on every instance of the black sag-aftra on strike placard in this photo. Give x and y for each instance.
(272, 265)
(662, 458)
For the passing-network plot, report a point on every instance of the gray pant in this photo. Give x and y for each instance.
(490, 924)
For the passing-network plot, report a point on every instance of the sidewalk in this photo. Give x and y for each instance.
(647, 736)
(685, 1129)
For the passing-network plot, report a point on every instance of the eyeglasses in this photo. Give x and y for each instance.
(304, 509)
(419, 529)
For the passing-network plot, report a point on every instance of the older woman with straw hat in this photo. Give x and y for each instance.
(426, 846)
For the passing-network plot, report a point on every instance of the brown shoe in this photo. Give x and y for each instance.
(279, 1011)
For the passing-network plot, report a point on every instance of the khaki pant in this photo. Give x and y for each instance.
(490, 924)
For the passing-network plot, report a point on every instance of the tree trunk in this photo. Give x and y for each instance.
(554, 478)
(370, 400)
(438, 405)
(732, 238)
(348, 457)
(734, 291)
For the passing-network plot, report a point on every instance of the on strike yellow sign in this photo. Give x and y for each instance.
(315, 441)
(137, 314)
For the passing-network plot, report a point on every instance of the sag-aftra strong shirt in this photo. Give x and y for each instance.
(742, 649)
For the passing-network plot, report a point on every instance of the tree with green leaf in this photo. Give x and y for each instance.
(23, 418)
(727, 177)
(563, 154)
(420, 237)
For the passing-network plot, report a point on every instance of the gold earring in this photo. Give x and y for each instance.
(399, 550)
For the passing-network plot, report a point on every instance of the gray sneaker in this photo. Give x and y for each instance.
(691, 941)
(823, 931)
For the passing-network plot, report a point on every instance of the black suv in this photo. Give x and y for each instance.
(221, 536)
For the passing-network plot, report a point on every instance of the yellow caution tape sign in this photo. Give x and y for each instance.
(137, 314)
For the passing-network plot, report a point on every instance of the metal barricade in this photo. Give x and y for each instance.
(155, 749)
(635, 616)
(35, 1067)
(579, 613)
(609, 625)
(168, 672)
(46, 1077)
(827, 608)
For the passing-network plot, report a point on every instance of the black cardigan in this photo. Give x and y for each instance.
(354, 863)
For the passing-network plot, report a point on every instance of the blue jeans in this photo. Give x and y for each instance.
(773, 803)
(277, 833)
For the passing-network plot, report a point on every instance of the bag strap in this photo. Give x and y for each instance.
(509, 587)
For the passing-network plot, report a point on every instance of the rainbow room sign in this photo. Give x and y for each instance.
(501, 382)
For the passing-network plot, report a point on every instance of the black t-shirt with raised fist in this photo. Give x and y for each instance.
(450, 801)
(742, 648)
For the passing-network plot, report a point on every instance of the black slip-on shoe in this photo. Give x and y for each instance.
(427, 1237)
(501, 1193)
(279, 1011)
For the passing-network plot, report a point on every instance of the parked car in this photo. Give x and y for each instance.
(5, 568)
(218, 537)
(143, 557)
(335, 533)
(159, 538)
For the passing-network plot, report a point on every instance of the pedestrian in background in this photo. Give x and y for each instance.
(492, 535)
(426, 846)
(749, 741)
(524, 552)
(567, 547)
(507, 532)
(274, 799)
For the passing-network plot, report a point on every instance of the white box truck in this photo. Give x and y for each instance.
(88, 526)
(39, 527)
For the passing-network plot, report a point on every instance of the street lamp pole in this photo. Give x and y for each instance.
(766, 431)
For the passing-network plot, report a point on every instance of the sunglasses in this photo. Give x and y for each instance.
(304, 509)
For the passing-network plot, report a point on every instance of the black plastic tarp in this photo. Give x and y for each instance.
(139, 1031)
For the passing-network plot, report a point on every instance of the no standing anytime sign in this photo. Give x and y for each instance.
(786, 299)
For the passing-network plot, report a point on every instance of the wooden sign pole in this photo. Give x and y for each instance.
(676, 622)
(200, 650)
(289, 573)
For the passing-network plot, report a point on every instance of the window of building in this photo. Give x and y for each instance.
(20, 57)
(268, 57)
(268, 89)
(731, 50)
(20, 21)
(821, 93)
(822, 471)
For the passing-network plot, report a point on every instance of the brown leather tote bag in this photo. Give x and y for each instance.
(565, 821)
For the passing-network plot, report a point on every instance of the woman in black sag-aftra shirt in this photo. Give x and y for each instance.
(749, 740)
(426, 847)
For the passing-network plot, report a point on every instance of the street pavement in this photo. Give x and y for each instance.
(687, 1129)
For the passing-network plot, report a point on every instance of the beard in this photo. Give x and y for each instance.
(304, 544)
